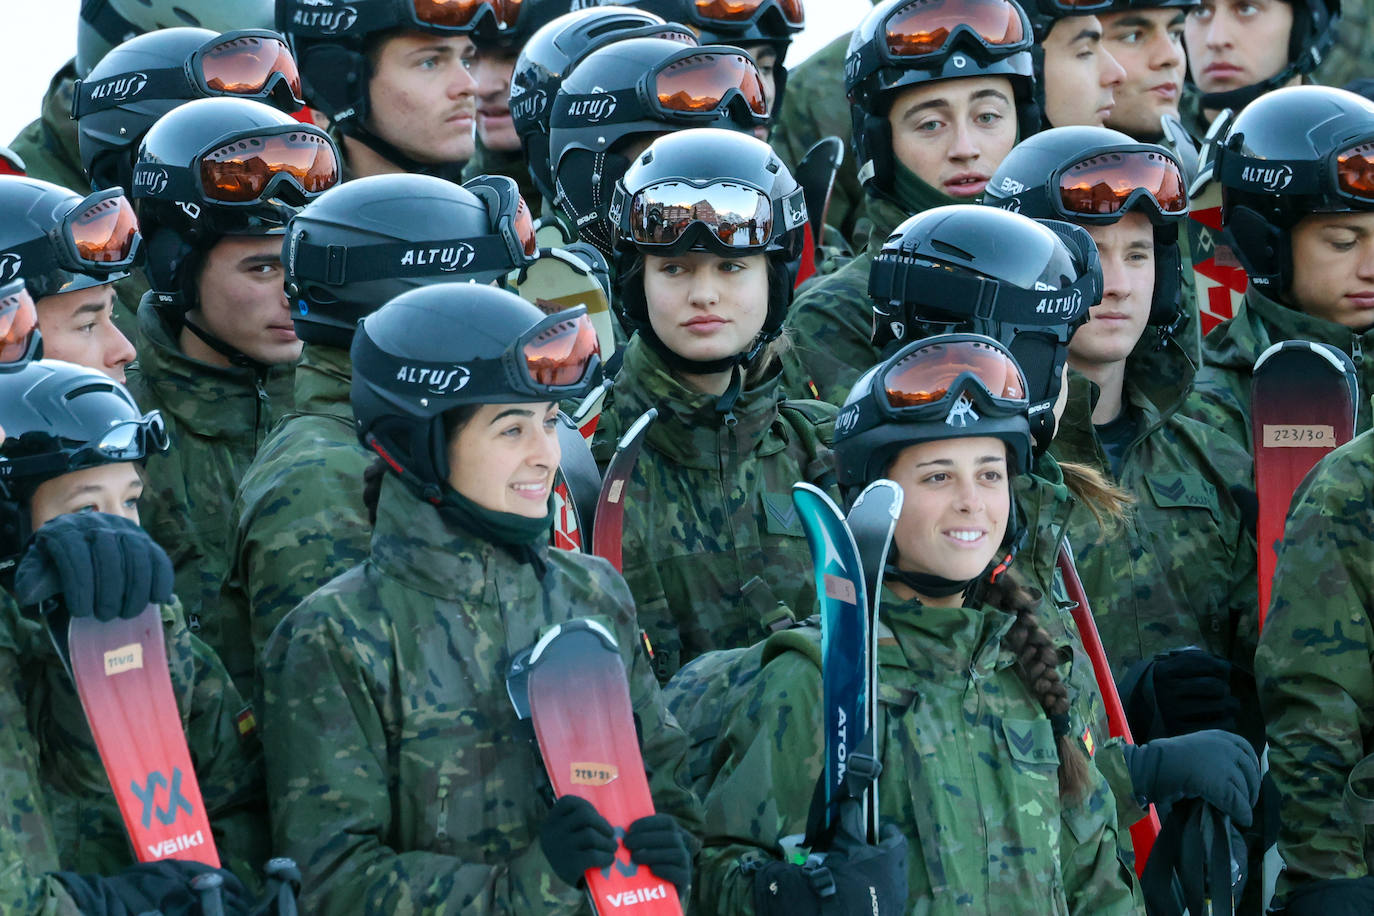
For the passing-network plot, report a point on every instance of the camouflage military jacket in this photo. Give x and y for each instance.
(298, 520)
(969, 775)
(832, 320)
(712, 542)
(1181, 570)
(1221, 397)
(398, 782)
(51, 151)
(71, 820)
(510, 163)
(1314, 666)
(216, 419)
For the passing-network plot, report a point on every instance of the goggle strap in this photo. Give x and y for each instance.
(891, 279)
(1272, 176)
(339, 264)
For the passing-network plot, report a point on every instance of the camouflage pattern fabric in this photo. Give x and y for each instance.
(216, 419)
(1348, 58)
(960, 734)
(51, 152)
(1221, 396)
(1315, 675)
(77, 826)
(396, 781)
(510, 163)
(712, 542)
(298, 519)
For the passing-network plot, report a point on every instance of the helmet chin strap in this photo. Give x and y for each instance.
(449, 171)
(236, 357)
(1236, 99)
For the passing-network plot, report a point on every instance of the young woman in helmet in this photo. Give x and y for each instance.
(70, 495)
(710, 224)
(1307, 246)
(980, 743)
(68, 252)
(932, 122)
(397, 783)
(215, 183)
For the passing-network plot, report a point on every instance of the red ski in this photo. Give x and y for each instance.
(610, 507)
(1145, 831)
(579, 703)
(1302, 398)
(120, 669)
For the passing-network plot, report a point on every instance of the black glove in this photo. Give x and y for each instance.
(1193, 690)
(163, 886)
(660, 844)
(1333, 897)
(103, 566)
(1248, 503)
(575, 837)
(854, 879)
(1218, 767)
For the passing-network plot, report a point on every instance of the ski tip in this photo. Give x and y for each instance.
(590, 402)
(637, 427)
(1338, 358)
(892, 493)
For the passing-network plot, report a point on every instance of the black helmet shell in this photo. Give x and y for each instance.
(29, 210)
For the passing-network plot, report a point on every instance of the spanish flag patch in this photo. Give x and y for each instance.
(246, 722)
(1088, 741)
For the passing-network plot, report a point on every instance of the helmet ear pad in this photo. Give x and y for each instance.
(336, 79)
(1262, 248)
(173, 263)
(873, 144)
(1167, 302)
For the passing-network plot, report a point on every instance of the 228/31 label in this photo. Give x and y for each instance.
(1314, 435)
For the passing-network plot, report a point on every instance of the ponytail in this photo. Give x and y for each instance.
(1036, 661)
(1105, 500)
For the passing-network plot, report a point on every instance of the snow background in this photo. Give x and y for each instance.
(38, 36)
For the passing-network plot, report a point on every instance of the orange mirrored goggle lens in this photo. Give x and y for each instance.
(1355, 171)
(456, 14)
(1103, 184)
(925, 26)
(561, 355)
(243, 66)
(925, 376)
(744, 10)
(524, 228)
(104, 233)
(701, 82)
(18, 318)
(240, 171)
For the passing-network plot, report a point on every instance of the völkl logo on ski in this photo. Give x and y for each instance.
(641, 895)
(123, 658)
(176, 844)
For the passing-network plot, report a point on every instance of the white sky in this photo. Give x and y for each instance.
(37, 36)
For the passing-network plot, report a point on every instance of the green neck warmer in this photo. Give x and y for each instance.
(914, 194)
(504, 528)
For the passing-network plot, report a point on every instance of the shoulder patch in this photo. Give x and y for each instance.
(1183, 490)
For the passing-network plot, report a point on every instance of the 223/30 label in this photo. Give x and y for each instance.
(1299, 436)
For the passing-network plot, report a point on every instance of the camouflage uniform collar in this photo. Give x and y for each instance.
(953, 640)
(323, 379)
(1261, 322)
(1077, 439)
(881, 217)
(689, 431)
(1045, 502)
(187, 387)
(57, 113)
(411, 544)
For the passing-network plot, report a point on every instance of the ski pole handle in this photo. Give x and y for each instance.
(209, 887)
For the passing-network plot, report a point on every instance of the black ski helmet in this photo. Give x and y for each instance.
(550, 54)
(331, 40)
(103, 24)
(58, 418)
(607, 100)
(367, 241)
(1026, 283)
(874, 74)
(1312, 34)
(1030, 179)
(432, 349)
(768, 22)
(147, 76)
(180, 218)
(39, 243)
(1291, 152)
(689, 168)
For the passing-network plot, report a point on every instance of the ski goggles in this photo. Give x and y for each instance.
(701, 82)
(296, 163)
(925, 28)
(18, 322)
(97, 237)
(1101, 187)
(925, 378)
(561, 352)
(458, 17)
(727, 216)
(1346, 174)
(125, 440)
(741, 12)
(249, 64)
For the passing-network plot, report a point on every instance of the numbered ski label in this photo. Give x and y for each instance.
(1303, 401)
(1145, 831)
(872, 520)
(607, 536)
(846, 644)
(579, 703)
(120, 670)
